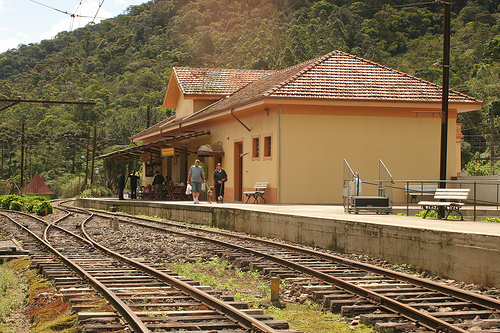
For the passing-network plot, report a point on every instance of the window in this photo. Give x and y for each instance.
(256, 147)
(267, 146)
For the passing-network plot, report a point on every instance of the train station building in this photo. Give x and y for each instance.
(294, 128)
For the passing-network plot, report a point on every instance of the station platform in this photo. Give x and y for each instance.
(467, 251)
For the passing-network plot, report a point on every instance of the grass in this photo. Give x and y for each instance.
(219, 274)
(310, 319)
(23, 289)
(492, 219)
(251, 287)
(11, 292)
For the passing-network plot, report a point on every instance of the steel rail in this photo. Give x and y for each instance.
(449, 290)
(238, 316)
(414, 314)
(407, 311)
(395, 306)
(132, 319)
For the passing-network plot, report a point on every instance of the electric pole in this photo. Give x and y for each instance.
(93, 155)
(492, 141)
(22, 157)
(446, 87)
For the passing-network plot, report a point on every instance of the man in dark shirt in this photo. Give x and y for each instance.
(121, 185)
(133, 185)
(220, 177)
(158, 180)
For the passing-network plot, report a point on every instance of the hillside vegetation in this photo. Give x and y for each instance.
(124, 64)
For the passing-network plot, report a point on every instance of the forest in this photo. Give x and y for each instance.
(123, 64)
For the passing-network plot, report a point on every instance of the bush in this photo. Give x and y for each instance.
(35, 205)
(16, 205)
(7, 199)
(431, 213)
(40, 206)
(31, 201)
(96, 192)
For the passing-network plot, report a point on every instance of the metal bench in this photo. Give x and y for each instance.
(258, 192)
(449, 199)
(420, 189)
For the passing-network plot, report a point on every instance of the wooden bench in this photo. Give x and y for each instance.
(420, 189)
(449, 199)
(258, 192)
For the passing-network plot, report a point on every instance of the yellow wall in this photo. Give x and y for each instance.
(316, 140)
(314, 148)
(253, 170)
(184, 107)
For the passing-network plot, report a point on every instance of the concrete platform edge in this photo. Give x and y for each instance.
(467, 257)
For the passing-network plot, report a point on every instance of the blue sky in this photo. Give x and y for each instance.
(24, 21)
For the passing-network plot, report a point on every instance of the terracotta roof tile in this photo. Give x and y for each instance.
(215, 81)
(37, 186)
(340, 75)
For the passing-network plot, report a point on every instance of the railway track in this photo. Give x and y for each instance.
(113, 293)
(388, 299)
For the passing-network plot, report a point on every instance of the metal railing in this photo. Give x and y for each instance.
(481, 191)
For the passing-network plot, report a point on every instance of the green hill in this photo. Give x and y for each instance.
(124, 65)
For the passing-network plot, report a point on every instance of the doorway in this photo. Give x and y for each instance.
(238, 171)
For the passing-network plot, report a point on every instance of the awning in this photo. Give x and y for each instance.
(134, 153)
(211, 149)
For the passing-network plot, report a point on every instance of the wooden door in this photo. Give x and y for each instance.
(238, 171)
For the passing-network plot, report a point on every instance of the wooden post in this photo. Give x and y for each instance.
(275, 289)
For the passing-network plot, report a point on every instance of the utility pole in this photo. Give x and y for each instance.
(492, 141)
(93, 155)
(22, 157)
(446, 87)
(87, 160)
(148, 116)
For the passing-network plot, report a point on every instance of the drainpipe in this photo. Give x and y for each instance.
(279, 156)
(232, 114)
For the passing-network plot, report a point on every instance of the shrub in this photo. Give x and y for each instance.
(16, 205)
(96, 192)
(7, 199)
(34, 204)
(40, 206)
(32, 201)
(492, 219)
(431, 213)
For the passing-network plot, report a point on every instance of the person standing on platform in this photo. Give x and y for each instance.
(220, 177)
(133, 185)
(121, 185)
(158, 180)
(196, 174)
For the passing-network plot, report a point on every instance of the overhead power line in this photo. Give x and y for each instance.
(65, 12)
(98, 9)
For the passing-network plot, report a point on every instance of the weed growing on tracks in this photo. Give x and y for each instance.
(38, 308)
(11, 291)
(219, 274)
(308, 318)
(255, 289)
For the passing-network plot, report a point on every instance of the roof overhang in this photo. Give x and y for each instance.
(134, 153)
